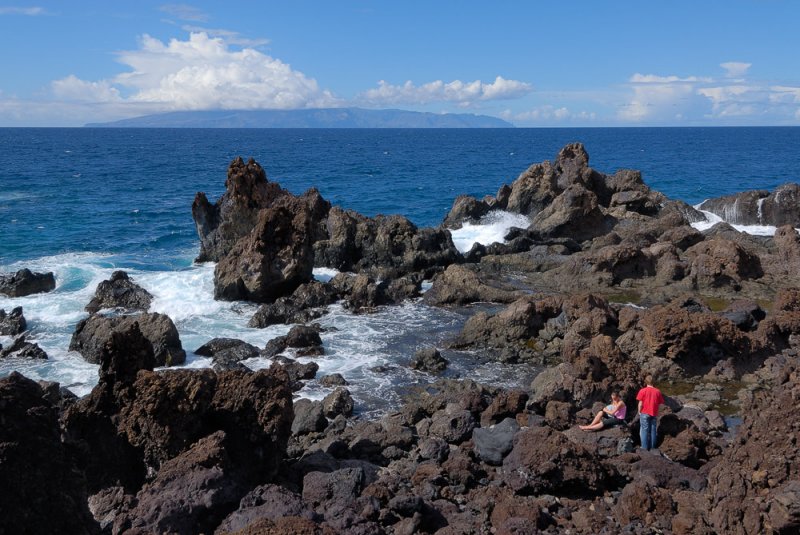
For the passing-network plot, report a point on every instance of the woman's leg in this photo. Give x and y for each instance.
(597, 418)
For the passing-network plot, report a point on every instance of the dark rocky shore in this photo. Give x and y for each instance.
(609, 282)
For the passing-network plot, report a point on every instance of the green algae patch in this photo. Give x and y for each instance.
(625, 297)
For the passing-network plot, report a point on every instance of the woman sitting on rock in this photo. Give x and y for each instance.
(611, 415)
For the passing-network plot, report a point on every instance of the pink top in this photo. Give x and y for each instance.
(621, 412)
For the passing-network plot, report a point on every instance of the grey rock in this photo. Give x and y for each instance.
(13, 323)
(493, 443)
(25, 282)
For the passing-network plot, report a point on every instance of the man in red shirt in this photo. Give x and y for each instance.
(649, 399)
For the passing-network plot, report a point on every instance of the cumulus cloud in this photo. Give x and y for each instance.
(659, 97)
(462, 93)
(73, 89)
(735, 69)
(656, 98)
(549, 114)
(202, 72)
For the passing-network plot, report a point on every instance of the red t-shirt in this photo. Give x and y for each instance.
(651, 398)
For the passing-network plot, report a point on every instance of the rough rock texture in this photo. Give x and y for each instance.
(92, 333)
(42, 492)
(234, 215)
(759, 207)
(192, 493)
(305, 304)
(754, 487)
(383, 247)
(120, 292)
(277, 255)
(429, 360)
(25, 282)
(13, 323)
(459, 285)
(135, 420)
(22, 349)
(303, 338)
(227, 353)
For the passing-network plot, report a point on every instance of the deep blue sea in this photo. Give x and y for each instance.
(83, 202)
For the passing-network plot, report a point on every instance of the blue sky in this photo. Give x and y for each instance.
(534, 63)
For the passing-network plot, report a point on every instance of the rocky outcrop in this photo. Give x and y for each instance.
(136, 420)
(25, 282)
(227, 353)
(92, 333)
(382, 247)
(463, 284)
(120, 292)
(42, 490)
(277, 255)
(428, 360)
(758, 207)
(567, 198)
(22, 349)
(13, 323)
(234, 215)
(306, 303)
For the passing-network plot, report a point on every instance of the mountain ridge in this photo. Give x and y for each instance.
(307, 118)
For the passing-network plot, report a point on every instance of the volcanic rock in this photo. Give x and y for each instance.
(234, 215)
(42, 490)
(120, 292)
(21, 348)
(13, 323)
(304, 305)
(461, 284)
(24, 282)
(493, 443)
(759, 207)
(191, 493)
(338, 402)
(385, 247)
(277, 255)
(227, 353)
(429, 360)
(92, 333)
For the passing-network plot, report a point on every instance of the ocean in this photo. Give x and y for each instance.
(84, 202)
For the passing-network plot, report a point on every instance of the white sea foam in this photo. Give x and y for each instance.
(370, 350)
(712, 219)
(492, 228)
(324, 274)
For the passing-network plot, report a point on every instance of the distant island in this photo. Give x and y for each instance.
(308, 118)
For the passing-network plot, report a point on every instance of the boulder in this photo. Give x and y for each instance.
(461, 285)
(192, 493)
(429, 360)
(22, 349)
(305, 339)
(43, 491)
(338, 402)
(545, 461)
(227, 353)
(277, 255)
(92, 333)
(305, 304)
(493, 443)
(758, 207)
(309, 417)
(25, 282)
(574, 213)
(333, 379)
(270, 502)
(13, 323)
(720, 262)
(120, 292)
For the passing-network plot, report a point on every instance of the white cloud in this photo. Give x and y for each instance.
(202, 72)
(184, 12)
(787, 94)
(74, 89)
(735, 69)
(462, 93)
(230, 37)
(655, 79)
(548, 114)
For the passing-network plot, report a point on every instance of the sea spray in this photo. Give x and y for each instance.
(492, 228)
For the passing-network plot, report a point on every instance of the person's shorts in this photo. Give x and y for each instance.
(611, 422)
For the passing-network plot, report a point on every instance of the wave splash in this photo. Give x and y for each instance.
(492, 228)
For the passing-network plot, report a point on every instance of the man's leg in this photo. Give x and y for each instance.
(653, 432)
(644, 430)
